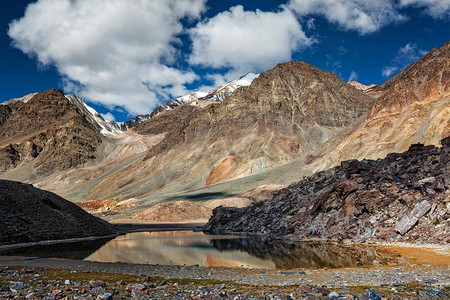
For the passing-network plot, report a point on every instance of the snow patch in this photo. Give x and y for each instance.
(225, 91)
(105, 127)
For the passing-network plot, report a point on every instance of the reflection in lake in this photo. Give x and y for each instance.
(195, 248)
(75, 250)
(290, 255)
(176, 248)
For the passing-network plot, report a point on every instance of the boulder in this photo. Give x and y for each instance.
(407, 222)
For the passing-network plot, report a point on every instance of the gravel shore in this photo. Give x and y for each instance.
(36, 278)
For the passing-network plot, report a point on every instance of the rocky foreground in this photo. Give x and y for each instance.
(403, 197)
(28, 214)
(53, 279)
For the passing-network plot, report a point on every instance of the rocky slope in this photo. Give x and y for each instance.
(403, 197)
(28, 214)
(172, 104)
(45, 134)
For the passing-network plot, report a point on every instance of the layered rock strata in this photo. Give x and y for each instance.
(49, 132)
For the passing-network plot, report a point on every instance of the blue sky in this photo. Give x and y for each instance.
(127, 57)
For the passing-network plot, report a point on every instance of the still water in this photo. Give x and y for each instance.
(196, 248)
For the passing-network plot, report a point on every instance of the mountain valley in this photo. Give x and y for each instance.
(204, 149)
(266, 129)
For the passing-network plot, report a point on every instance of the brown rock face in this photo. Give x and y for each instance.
(402, 197)
(48, 131)
(412, 107)
(423, 81)
(291, 108)
(221, 170)
(286, 112)
(28, 214)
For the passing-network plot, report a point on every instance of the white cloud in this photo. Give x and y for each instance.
(310, 24)
(408, 53)
(362, 16)
(405, 56)
(353, 76)
(247, 40)
(108, 116)
(435, 8)
(388, 71)
(113, 52)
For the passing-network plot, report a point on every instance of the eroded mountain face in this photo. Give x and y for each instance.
(48, 133)
(412, 107)
(301, 104)
(286, 112)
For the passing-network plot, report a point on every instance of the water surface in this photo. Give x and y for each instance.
(196, 248)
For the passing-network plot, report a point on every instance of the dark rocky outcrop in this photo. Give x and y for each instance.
(5, 112)
(28, 214)
(403, 197)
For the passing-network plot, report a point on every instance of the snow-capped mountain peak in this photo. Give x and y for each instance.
(224, 91)
(105, 127)
(219, 94)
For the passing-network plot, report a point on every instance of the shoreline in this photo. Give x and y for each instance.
(124, 228)
(425, 259)
(358, 276)
(54, 242)
(35, 279)
(408, 278)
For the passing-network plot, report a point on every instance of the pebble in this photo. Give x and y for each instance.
(369, 295)
(95, 283)
(323, 291)
(136, 286)
(17, 285)
(433, 294)
(333, 294)
(105, 296)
